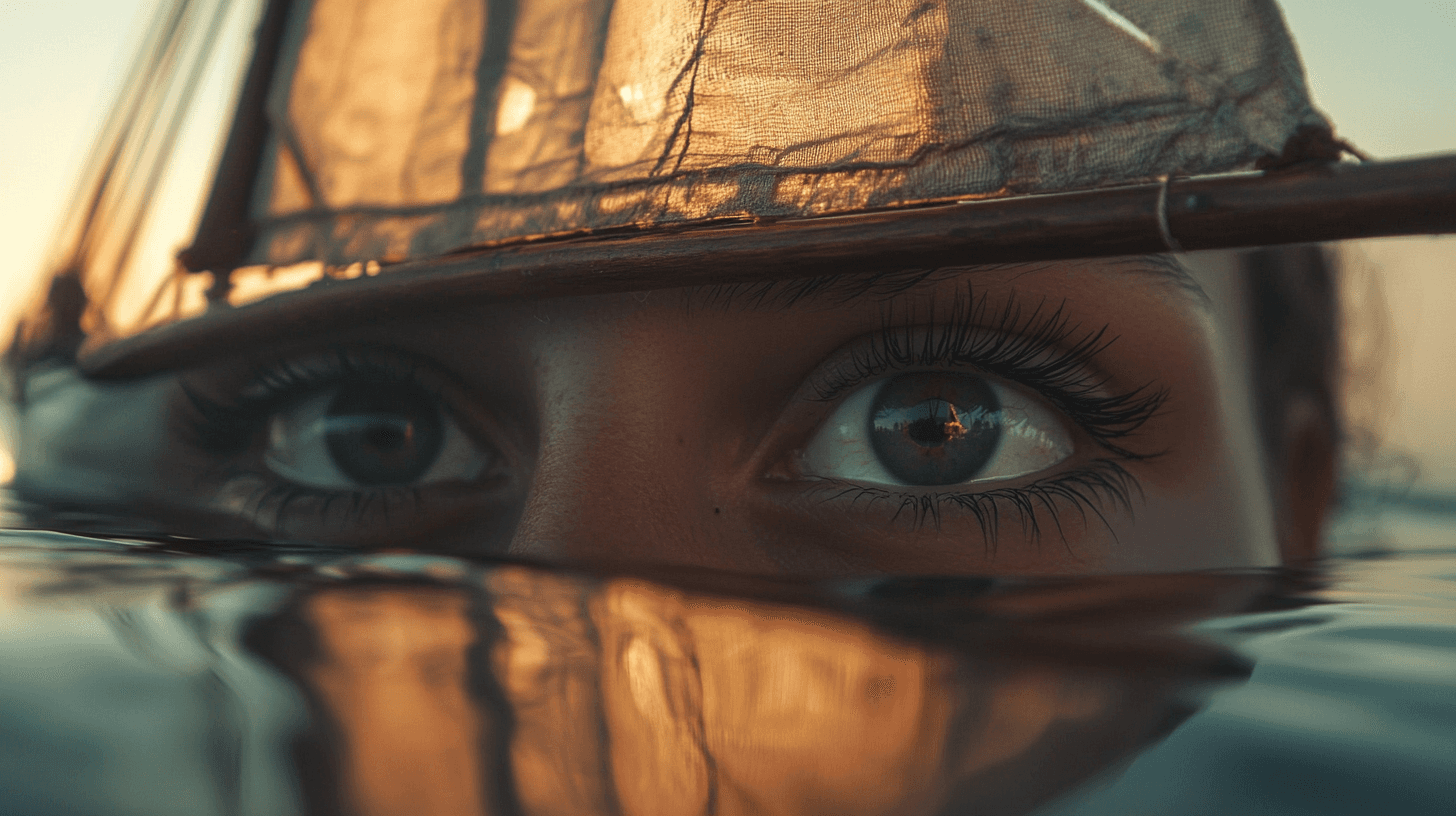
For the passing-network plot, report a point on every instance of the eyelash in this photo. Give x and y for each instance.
(230, 426)
(1039, 348)
(223, 426)
(1102, 482)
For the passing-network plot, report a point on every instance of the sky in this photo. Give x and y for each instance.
(1385, 73)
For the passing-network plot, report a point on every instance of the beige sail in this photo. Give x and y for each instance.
(404, 129)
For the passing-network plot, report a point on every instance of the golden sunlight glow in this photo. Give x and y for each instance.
(518, 101)
(252, 283)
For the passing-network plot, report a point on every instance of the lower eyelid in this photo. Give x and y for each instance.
(363, 518)
(1092, 494)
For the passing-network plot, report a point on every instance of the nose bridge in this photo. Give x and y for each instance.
(621, 472)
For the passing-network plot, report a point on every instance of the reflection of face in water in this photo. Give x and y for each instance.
(1075, 417)
(625, 695)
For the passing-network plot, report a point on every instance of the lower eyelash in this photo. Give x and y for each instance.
(1101, 486)
(267, 504)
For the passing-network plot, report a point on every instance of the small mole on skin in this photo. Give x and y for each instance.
(680, 441)
(717, 510)
(881, 687)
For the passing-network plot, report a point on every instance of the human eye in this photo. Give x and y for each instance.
(352, 446)
(368, 435)
(983, 412)
(937, 428)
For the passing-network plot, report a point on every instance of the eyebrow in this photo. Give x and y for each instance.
(838, 290)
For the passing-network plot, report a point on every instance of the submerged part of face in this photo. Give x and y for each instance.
(1062, 418)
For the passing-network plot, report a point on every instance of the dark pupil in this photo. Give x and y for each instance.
(383, 434)
(935, 429)
(936, 426)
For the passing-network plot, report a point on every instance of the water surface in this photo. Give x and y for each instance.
(144, 676)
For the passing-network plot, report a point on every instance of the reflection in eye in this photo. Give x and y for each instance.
(937, 428)
(370, 435)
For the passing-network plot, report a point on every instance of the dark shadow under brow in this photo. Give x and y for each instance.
(827, 290)
(836, 290)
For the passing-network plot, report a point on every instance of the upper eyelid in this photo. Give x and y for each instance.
(1037, 356)
(281, 381)
(936, 344)
(341, 363)
(225, 416)
(975, 333)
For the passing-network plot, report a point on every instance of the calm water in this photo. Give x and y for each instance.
(147, 678)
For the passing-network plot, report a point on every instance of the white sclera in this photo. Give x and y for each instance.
(298, 449)
(1033, 438)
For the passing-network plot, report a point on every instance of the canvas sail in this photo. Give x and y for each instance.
(402, 129)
